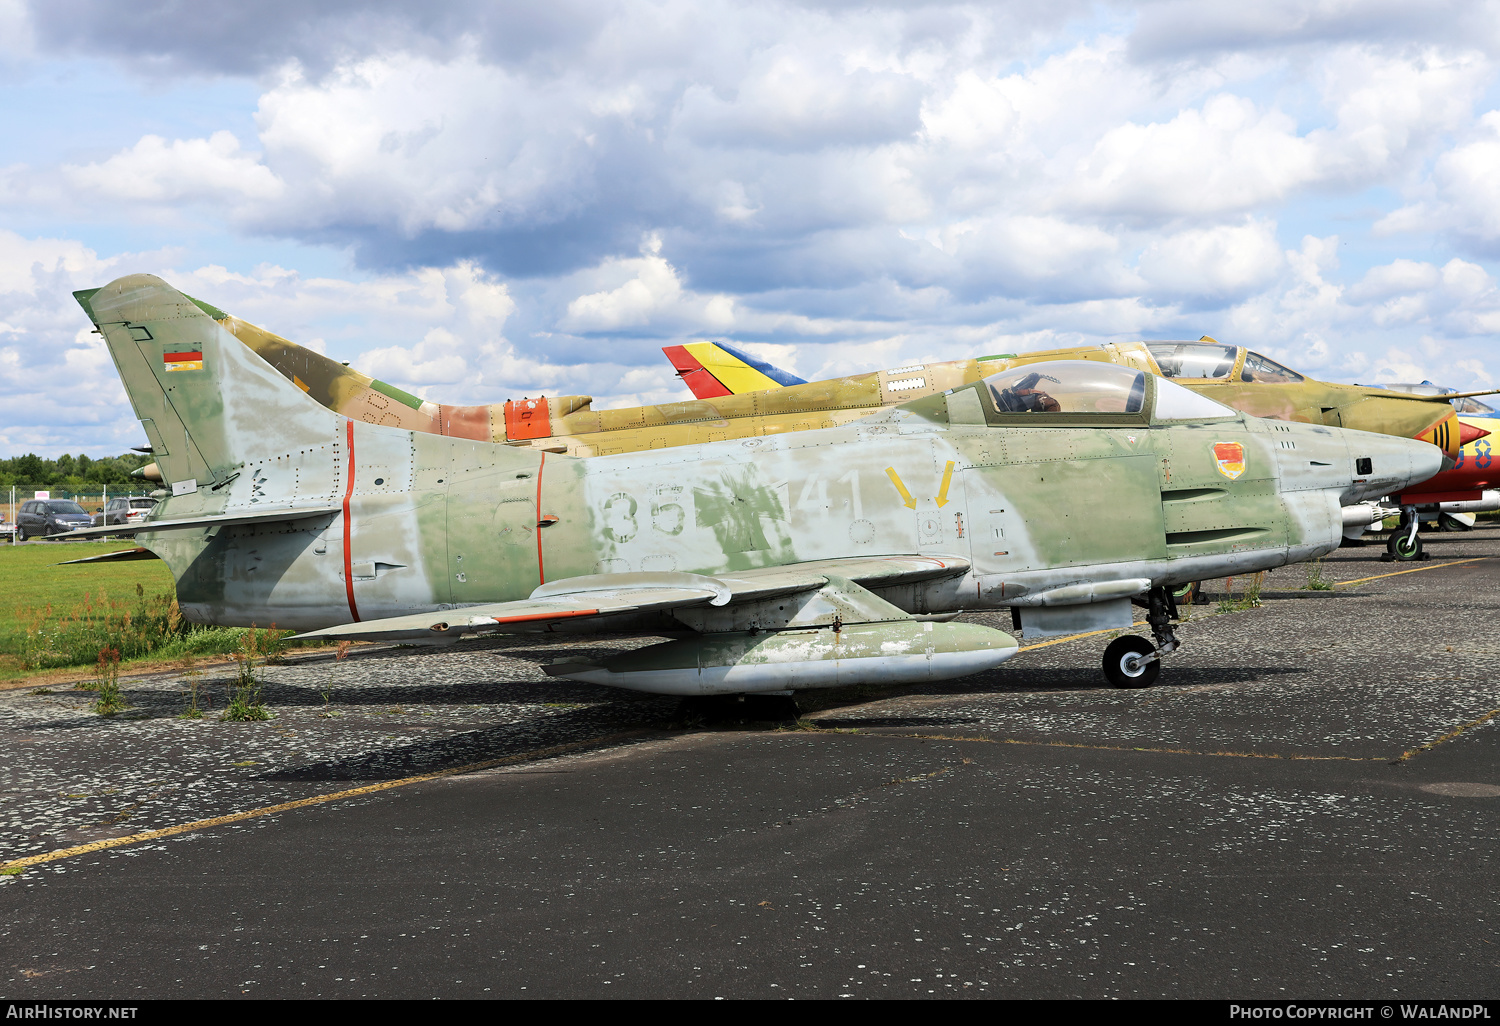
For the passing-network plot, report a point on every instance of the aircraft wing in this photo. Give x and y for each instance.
(613, 594)
(1447, 396)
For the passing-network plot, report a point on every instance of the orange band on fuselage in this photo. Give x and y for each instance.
(348, 526)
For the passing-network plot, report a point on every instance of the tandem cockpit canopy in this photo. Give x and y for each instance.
(1074, 388)
(1214, 361)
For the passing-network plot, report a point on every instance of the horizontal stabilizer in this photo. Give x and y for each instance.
(269, 516)
(120, 556)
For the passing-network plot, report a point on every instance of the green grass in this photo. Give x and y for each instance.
(62, 616)
(28, 578)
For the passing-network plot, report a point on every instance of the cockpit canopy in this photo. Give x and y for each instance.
(1473, 407)
(1216, 362)
(1466, 405)
(1068, 386)
(1090, 387)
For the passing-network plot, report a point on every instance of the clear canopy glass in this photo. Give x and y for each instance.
(1264, 369)
(1193, 359)
(1473, 407)
(1069, 386)
(1174, 402)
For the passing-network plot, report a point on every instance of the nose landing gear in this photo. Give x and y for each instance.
(1132, 661)
(1405, 545)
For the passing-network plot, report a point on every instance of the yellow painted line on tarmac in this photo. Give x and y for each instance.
(1413, 570)
(1429, 746)
(16, 865)
(1074, 637)
(1141, 748)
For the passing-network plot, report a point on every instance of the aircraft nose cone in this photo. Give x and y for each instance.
(1386, 464)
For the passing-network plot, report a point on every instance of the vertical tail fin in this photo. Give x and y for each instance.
(207, 403)
(713, 369)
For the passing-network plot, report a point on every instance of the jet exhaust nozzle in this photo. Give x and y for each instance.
(898, 652)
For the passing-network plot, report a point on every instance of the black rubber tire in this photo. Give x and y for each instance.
(1122, 649)
(739, 708)
(20, 533)
(1397, 548)
(771, 707)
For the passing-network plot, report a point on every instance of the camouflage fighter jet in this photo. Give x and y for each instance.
(741, 397)
(1233, 375)
(1470, 486)
(810, 559)
(748, 403)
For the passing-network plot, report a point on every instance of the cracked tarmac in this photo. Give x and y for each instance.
(1305, 806)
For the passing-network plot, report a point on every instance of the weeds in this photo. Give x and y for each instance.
(1252, 590)
(1316, 581)
(150, 626)
(194, 677)
(244, 696)
(107, 700)
(1248, 599)
(328, 712)
(343, 650)
(273, 645)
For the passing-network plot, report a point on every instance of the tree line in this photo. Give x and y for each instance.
(73, 473)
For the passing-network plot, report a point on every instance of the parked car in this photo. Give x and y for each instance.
(41, 518)
(124, 510)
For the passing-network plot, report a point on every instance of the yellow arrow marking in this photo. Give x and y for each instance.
(942, 495)
(906, 499)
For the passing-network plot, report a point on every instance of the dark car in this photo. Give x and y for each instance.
(40, 518)
(124, 510)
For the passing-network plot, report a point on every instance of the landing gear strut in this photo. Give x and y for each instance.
(1132, 661)
(1405, 544)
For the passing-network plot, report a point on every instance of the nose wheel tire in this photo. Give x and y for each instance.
(1131, 662)
(1404, 546)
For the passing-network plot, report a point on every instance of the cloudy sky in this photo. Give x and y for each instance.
(484, 200)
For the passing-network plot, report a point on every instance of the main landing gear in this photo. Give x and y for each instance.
(1405, 544)
(730, 708)
(1132, 661)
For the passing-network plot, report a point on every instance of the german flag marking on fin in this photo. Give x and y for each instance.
(190, 360)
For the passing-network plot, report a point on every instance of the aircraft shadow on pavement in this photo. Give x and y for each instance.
(577, 729)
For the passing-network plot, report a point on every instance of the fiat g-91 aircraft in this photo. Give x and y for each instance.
(810, 559)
